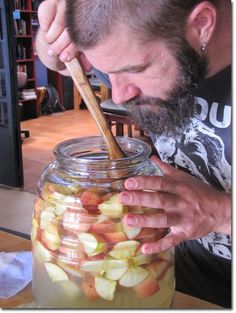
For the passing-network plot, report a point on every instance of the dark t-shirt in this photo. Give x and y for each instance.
(203, 266)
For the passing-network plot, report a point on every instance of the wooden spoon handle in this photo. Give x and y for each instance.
(83, 85)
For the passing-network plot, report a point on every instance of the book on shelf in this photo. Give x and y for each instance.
(19, 4)
(21, 51)
(20, 27)
(27, 94)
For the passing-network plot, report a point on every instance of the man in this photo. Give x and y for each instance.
(169, 62)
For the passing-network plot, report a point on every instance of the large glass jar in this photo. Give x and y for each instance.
(84, 256)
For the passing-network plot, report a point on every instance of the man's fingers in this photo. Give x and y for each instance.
(167, 242)
(155, 183)
(154, 220)
(61, 43)
(46, 14)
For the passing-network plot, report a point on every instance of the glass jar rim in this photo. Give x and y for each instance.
(63, 151)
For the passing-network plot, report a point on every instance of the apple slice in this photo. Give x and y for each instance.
(158, 268)
(73, 271)
(51, 237)
(41, 253)
(66, 190)
(101, 228)
(115, 237)
(115, 269)
(133, 276)
(112, 207)
(148, 287)
(131, 232)
(93, 244)
(55, 272)
(90, 198)
(34, 229)
(141, 259)
(105, 287)
(39, 206)
(77, 220)
(124, 250)
(47, 217)
(96, 266)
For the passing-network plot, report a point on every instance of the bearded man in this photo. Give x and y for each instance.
(169, 62)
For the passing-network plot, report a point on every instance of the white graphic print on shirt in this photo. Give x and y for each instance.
(201, 151)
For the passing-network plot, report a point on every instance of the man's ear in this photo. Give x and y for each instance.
(201, 24)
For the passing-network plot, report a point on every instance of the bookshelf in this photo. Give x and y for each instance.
(24, 13)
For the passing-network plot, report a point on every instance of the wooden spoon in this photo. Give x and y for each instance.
(83, 85)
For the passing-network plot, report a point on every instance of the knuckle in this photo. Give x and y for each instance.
(159, 183)
(160, 201)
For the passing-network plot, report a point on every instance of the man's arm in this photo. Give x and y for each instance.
(53, 43)
(192, 209)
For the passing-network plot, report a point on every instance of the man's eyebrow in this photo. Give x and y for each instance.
(131, 68)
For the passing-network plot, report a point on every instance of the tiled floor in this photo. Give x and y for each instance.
(16, 206)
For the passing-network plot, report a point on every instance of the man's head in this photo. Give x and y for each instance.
(151, 51)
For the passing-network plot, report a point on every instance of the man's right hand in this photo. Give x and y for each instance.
(53, 43)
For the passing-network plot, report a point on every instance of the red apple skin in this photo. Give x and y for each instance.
(147, 288)
(90, 198)
(101, 228)
(158, 268)
(150, 234)
(89, 290)
(115, 237)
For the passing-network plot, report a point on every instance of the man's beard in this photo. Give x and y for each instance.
(170, 116)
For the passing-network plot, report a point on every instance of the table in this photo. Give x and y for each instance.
(12, 243)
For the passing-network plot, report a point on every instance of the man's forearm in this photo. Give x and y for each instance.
(226, 214)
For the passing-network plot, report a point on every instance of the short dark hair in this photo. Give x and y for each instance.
(89, 22)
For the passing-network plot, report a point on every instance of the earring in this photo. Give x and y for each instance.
(203, 47)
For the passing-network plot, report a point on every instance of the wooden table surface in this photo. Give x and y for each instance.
(13, 243)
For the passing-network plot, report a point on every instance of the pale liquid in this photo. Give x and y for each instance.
(51, 294)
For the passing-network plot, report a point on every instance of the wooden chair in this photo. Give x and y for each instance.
(116, 115)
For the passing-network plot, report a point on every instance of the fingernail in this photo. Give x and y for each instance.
(146, 250)
(132, 221)
(131, 183)
(50, 53)
(126, 198)
(64, 57)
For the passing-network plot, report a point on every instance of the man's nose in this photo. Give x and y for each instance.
(123, 90)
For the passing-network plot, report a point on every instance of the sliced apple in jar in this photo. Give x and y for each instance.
(51, 237)
(96, 266)
(47, 216)
(105, 287)
(93, 244)
(131, 232)
(124, 250)
(148, 287)
(55, 272)
(115, 269)
(41, 253)
(112, 207)
(133, 276)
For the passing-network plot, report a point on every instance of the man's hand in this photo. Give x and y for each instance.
(53, 42)
(192, 209)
